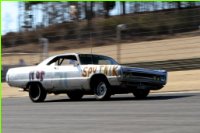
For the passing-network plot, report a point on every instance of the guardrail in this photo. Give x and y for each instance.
(170, 65)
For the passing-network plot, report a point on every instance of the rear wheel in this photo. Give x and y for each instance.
(37, 93)
(141, 93)
(75, 95)
(102, 90)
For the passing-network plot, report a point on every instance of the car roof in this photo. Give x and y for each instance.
(75, 54)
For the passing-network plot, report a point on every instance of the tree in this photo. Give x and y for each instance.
(136, 6)
(191, 4)
(107, 7)
(123, 7)
(89, 14)
(74, 10)
(178, 5)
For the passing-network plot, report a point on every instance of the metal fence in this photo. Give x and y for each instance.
(124, 42)
(164, 51)
(152, 48)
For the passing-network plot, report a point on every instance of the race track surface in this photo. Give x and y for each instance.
(159, 113)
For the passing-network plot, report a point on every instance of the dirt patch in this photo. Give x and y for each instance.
(183, 81)
(8, 91)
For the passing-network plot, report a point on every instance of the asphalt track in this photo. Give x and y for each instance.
(159, 113)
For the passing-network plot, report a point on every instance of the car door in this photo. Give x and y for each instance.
(66, 73)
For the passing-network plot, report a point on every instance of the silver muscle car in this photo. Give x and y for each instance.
(80, 74)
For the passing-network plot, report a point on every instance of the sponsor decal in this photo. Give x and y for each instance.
(107, 70)
(88, 70)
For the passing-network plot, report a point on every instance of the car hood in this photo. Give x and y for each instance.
(143, 70)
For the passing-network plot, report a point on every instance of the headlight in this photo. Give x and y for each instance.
(162, 79)
(127, 75)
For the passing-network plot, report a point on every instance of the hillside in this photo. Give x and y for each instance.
(100, 31)
(146, 51)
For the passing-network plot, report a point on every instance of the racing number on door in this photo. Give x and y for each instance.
(37, 75)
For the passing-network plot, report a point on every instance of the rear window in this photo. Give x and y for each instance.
(96, 59)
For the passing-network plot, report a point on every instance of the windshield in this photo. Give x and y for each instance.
(96, 59)
(44, 62)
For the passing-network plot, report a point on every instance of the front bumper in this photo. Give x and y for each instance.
(143, 80)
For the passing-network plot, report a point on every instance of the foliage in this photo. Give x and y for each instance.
(138, 25)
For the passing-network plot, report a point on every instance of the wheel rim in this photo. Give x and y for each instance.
(101, 89)
(35, 92)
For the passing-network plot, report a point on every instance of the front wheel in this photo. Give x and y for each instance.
(37, 93)
(141, 93)
(102, 90)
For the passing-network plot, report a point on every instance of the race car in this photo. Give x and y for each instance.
(84, 74)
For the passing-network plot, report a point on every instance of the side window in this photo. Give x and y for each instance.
(101, 60)
(104, 62)
(63, 61)
(67, 61)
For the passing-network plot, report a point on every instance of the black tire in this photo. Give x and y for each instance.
(141, 93)
(102, 90)
(37, 93)
(75, 95)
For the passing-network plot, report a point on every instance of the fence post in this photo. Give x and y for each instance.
(119, 28)
(45, 44)
(13, 50)
(91, 43)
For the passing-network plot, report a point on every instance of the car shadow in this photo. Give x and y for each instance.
(149, 98)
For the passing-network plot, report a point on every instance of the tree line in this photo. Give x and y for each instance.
(59, 12)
